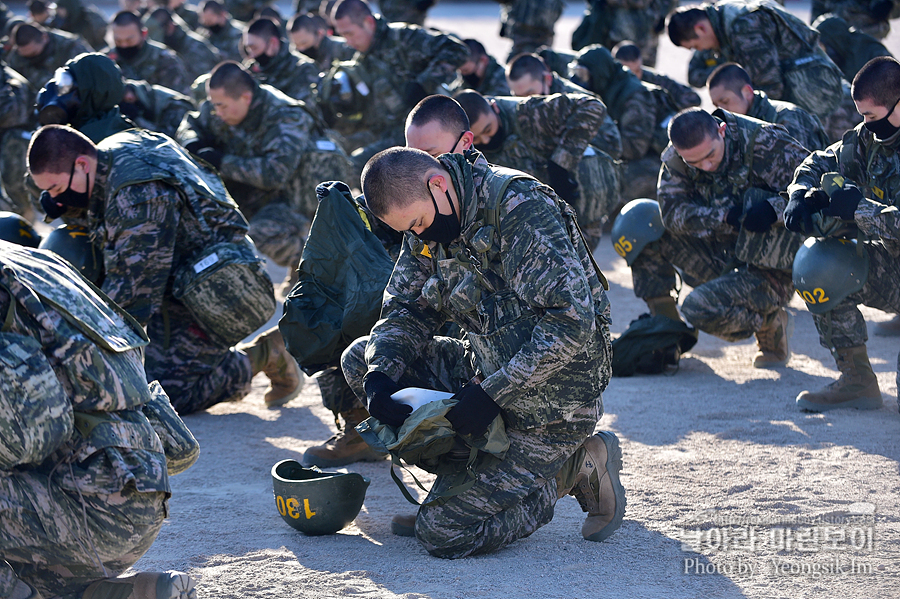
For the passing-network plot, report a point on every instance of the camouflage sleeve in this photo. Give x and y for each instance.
(684, 210)
(141, 223)
(636, 125)
(407, 321)
(281, 150)
(754, 46)
(805, 128)
(776, 155)
(682, 96)
(608, 138)
(808, 174)
(193, 126)
(171, 72)
(877, 220)
(171, 115)
(542, 267)
(568, 122)
(434, 56)
(302, 84)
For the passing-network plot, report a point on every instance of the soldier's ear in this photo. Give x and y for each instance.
(495, 107)
(721, 129)
(468, 140)
(747, 93)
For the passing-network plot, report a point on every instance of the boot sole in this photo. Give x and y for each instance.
(780, 363)
(860, 403)
(613, 467)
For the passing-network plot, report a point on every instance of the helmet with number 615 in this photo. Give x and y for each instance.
(316, 502)
(638, 224)
(827, 270)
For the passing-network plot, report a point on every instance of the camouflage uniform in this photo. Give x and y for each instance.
(732, 294)
(412, 12)
(227, 41)
(492, 84)
(682, 96)
(155, 64)
(549, 388)
(189, 14)
(104, 483)
(848, 49)
(146, 222)
(803, 126)
(198, 55)
(245, 10)
(39, 69)
(293, 74)
(621, 20)
(400, 55)
(779, 52)
(875, 167)
(857, 13)
(529, 23)
(16, 122)
(329, 50)
(84, 21)
(157, 108)
(701, 66)
(271, 165)
(559, 128)
(608, 137)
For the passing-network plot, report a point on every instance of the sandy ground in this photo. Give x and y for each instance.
(732, 492)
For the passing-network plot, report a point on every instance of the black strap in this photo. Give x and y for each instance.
(439, 498)
(10, 311)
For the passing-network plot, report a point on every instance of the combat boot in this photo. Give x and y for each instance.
(664, 305)
(594, 481)
(146, 585)
(404, 525)
(773, 340)
(268, 354)
(857, 386)
(344, 448)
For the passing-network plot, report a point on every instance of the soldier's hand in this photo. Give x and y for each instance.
(844, 203)
(211, 155)
(760, 217)
(733, 217)
(379, 388)
(802, 205)
(562, 182)
(474, 412)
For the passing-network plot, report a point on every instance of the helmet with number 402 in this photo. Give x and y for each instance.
(827, 270)
(637, 225)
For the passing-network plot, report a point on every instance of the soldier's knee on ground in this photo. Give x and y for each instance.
(353, 363)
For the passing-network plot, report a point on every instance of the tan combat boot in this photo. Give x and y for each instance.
(596, 485)
(146, 585)
(856, 388)
(773, 340)
(267, 354)
(344, 448)
(664, 305)
(404, 525)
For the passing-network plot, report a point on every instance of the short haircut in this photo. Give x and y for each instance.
(680, 23)
(526, 64)
(626, 51)
(691, 127)
(232, 77)
(37, 7)
(731, 76)
(54, 148)
(269, 12)
(26, 33)
(264, 27)
(476, 49)
(124, 18)
(443, 109)
(878, 81)
(308, 22)
(355, 10)
(161, 15)
(473, 103)
(213, 6)
(395, 178)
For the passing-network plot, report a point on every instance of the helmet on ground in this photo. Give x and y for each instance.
(15, 229)
(73, 242)
(316, 502)
(637, 225)
(827, 270)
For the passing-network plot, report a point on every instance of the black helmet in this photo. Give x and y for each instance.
(316, 502)
(15, 229)
(73, 243)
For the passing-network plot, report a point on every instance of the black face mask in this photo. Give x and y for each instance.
(216, 29)
(445, 227)
(129, 53)
(882, 128)
(496, 141)
(263, 59)
(56, 207)
(312, 52)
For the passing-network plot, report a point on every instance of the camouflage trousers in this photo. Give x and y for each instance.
(727, 301)
(59, 541)
(279, 233)
(599, 180)
(195, 371)
(845, 326)
(512, 498)
(337, 395)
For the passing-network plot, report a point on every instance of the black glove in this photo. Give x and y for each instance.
(801, 207)
(760, 217)
(474, 412)
(844, 203)
(880, 10)
(413, 93)
(733, 217)
(212, 156)
(562, 182)
(379, 388)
